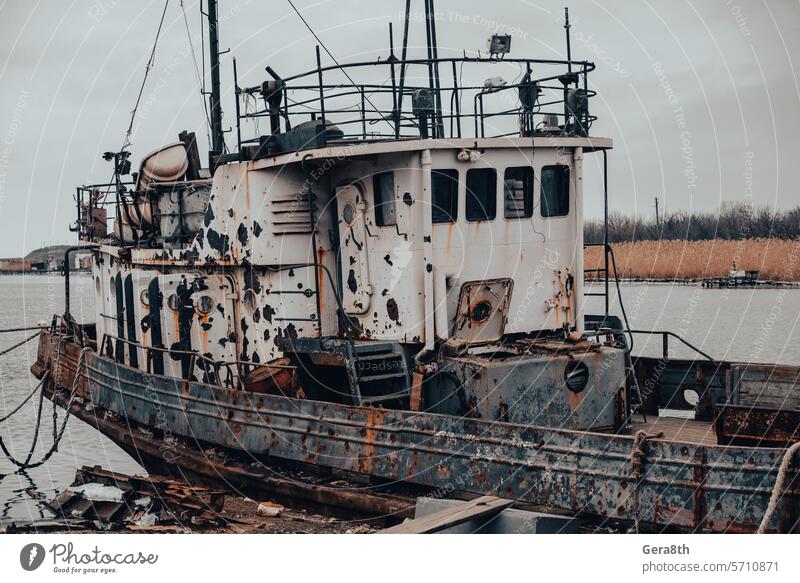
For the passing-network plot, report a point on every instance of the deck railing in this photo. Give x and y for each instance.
(234, 370)
(406, 100)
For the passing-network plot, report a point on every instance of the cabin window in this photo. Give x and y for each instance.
(555, 191)
(518, 192)
(481, 202)
(444, 195)
(383, 193)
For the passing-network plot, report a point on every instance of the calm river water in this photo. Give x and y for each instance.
(744, 325)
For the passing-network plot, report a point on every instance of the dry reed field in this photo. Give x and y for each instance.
(774, 259)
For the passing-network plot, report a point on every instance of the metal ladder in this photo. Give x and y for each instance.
(636, 401)
(372, 365)
(615, 324)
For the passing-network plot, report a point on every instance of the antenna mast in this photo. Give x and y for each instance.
(566, 31)
(217, 137)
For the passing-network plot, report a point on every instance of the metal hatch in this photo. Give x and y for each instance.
(354, 264)
(483, 310)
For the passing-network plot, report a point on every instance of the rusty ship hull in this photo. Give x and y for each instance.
(674, 478)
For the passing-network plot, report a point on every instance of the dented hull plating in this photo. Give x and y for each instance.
(685, 486)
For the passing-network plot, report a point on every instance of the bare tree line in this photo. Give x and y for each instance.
(733, 221)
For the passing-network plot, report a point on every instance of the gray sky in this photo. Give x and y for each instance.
(700, 97)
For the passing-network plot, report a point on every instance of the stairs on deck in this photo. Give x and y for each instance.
(374, 367)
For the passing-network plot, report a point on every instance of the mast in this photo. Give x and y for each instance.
(566, 32)
(433, 68)
(217, 137)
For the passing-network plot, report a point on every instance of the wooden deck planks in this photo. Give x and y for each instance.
(679, 430)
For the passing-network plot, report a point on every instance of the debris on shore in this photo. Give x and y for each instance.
(103, 501)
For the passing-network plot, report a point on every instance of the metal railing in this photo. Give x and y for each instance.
(379, 110)
(666, 335)
(235, 370)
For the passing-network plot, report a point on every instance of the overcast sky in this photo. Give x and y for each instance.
(701, 98)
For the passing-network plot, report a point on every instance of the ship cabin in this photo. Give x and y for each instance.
(406, 242)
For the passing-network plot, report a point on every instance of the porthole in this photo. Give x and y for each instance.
(576, 375)
(481, 311)
(250, 300)
(172, 302)
(204, 304)
(144, 297)
(348, 213)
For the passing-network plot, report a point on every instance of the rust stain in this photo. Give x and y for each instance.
(574, 399)
(247, 189)
(320, 279)
(374, 418)
(204, 328)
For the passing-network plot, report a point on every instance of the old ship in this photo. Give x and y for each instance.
(389, 283)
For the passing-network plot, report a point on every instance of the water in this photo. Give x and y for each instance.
(745, 325)
(24, 301)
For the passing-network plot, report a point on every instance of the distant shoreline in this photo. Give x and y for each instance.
(57, 272)
(775, 260)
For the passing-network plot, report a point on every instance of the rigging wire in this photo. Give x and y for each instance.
(200, 80)
(203, 48)
(338, 64)
(18, 344)
(149, 66)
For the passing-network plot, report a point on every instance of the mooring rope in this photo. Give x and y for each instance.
(23, 329)
(28, 398)
(33, 392)
(56, 437)
(777, 489)
(18, 344)
(638, 454)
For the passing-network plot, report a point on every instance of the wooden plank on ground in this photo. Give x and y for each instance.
(474, 509)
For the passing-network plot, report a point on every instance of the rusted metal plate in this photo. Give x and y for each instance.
(745, 425)
(175, 458)
(532, 389)
(765, 385)
(682, 485)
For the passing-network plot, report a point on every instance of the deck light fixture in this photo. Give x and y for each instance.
(499, 44)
